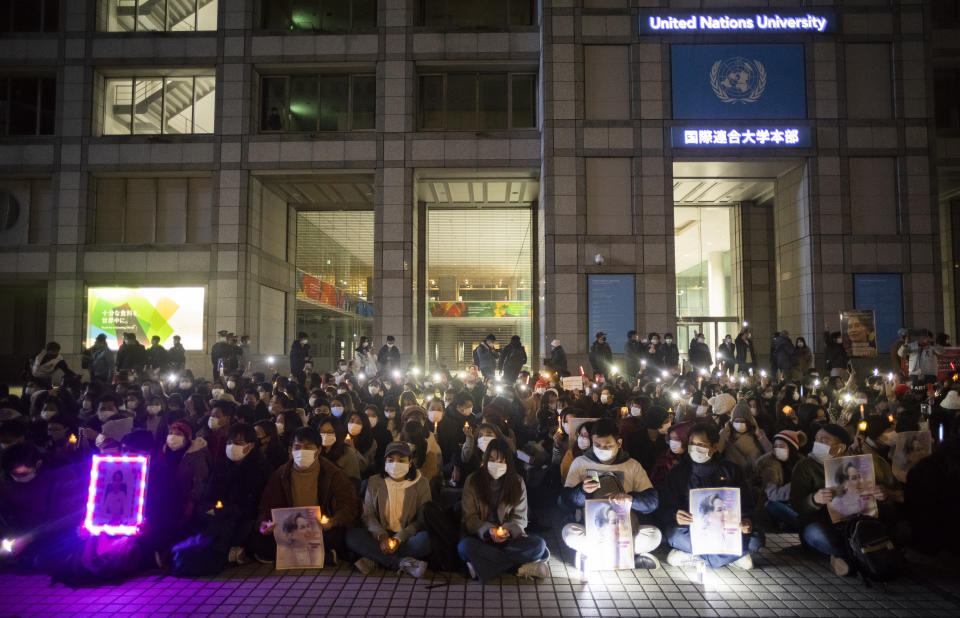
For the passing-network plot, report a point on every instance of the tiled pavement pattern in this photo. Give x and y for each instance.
(786, 582)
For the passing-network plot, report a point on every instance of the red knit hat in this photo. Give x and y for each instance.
(182, 428)
(794, 438)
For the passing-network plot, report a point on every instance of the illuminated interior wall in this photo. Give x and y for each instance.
(479, 269)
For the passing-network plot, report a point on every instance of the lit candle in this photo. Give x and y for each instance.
(861, 408)
(862, 426)
(324, 519)
(890, 418)
(73, 438)
(500, 532)
(392, 543)
(559, 425)
(466, 425)
(218, 505)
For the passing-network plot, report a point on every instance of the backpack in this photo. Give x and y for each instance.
(443, 524)
(871, 551)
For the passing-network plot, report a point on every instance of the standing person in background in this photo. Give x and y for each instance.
(49, 361)
(132, 356)
(600, 354)
(176, 355)
(802, 359)
(699, 353)
(363, 358)
(558, 357)
(669, 352)
(745, 353)
(388, 358)
(512, 359)
(633, 350)
(218, 350)
(783, 352)
(245, 346)
(727, 355)
(101, 360)
(156, 355)
(836, 354)
(485, 357)
(299, 353)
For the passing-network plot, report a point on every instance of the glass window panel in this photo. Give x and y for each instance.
(335, 15)
(364, 102)
(207, 15)
(703, 261)
(204, 98)
(181, 15)
(27, 15)
(303, 103)
(150, 15)
(473, 14)
(178, 105)
(304, 15)
(431, 102)
(461, 101)
(118, 16)
(524, 101)
(147, 105)
(273, 103)
(48, 105)
(117, 106)
(521, 12)
(433, 13)
(275, 15)
(333, 102)
(364, 14)
(5, 19)
(51, 16)
(493, 101)
(23, 106)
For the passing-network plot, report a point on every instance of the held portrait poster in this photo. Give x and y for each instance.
(852, 478)
(609, 535)
(909, 448)
(859, 331)
(116, 494)
(716, 521)
(299, 538)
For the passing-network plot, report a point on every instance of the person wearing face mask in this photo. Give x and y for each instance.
(308, 479)
(634, 352)
(621, 478)
(155, 420)
(494, 521)
(744, 352)
(775, 470)
(393, 533)
(577, 444)
(726, 355)
(705, 467)
(470, 455)
(809, 496)
(388, 357)
(222, 416)
(336, 447)
(299, 353)
(834, 352)
(379, 431)
(669, 353)
(270, 443)
(372, 393)
(558, 357)
(452, 431)
(485, 357)
(60, 452)
(801, 361)
(100, 360)
(362, 440)
(676, 450)
(188, 465)
(699, 353)
(108, 407)
(742, 441)
(229, 509)
(649, 442)
(601, 356)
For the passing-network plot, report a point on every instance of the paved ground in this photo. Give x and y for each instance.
(786, 582)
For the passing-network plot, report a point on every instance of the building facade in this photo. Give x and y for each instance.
(438, 169)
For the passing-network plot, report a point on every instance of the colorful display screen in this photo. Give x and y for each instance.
(164, 312)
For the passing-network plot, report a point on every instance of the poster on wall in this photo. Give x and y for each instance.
(716, 521)
(609, 535)
(611, 308)
(859, 331)
(146, 312)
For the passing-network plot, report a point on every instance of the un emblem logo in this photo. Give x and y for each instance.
(738, 80)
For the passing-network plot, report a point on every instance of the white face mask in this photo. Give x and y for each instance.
(396, 469)
(235, 452)
(373, 421)
(604, 398)
(185, 385)
(231, 384)
(304, 458)
(313, 402)
(279, 428)
(635, 411)
(739, 427)
(701, 410)
(496, 468)
(796, 396)
(175, 442)
(354, 429)
(482, 442)
(154, 410)
(781, 453)
(389, 413)
(88, 405)
(48, 414)
(215, 423)
(435, 415)
(336, 411)
(699, 454)
(676, 446)
(100, 440)
(103, 415)
(603, 454)
(583, 443)
(820, 451)
(541, 390)
(216, 392)
(328, 439)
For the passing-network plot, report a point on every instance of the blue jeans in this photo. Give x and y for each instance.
(678, 537)
(783, 515)
(825, 538)
(360, 540)
(491, 560)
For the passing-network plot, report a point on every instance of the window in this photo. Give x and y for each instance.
(478, 101)
(314, 103)
(27, 105)
(946, 95)
(136, 211)
(156, 15)
(318, 15)
(175, 105)
(472, 14)
(29, 16)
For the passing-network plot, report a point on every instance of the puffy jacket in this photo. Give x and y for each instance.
(512, 359)
(600, 357)
(686, 475)
(336, 495)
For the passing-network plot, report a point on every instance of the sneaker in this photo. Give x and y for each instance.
(470, 569)
(537, 570)
(365, 565)
(839, 566)
(232, 554)
(261, 559)
(242, 557)
(646, 561)
(678, 558)
(412, 567)
(744, 562)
